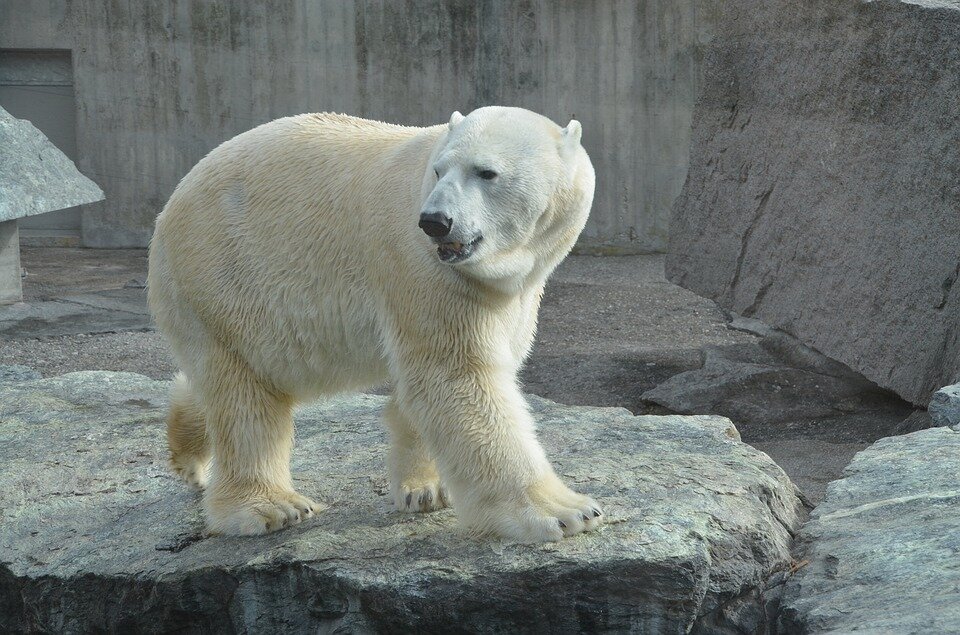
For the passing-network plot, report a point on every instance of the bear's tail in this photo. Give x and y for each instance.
(187, 433)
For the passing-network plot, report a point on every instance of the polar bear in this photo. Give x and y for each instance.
(324, 253)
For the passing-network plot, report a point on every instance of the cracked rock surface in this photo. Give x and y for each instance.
(884, 546)
(96, 534)
(822, 193)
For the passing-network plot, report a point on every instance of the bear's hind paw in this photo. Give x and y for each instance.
(194, 473)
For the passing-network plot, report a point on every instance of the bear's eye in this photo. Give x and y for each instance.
(487, 175)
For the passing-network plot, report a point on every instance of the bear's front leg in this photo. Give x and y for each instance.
(476, 425)
(250, 428)
(414, 481)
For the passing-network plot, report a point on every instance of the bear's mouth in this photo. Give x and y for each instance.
(453, 252)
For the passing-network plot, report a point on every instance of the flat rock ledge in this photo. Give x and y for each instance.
(97, 535)
(884, 546)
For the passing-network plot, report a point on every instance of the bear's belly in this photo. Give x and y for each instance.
(319, 347)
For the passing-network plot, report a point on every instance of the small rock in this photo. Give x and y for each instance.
(944, 406)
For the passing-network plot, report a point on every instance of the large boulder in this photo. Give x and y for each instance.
(96, 534)
(883, 549)
(824, 182)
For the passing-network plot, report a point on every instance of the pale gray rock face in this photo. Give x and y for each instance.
(35, 176)
(824, 182)
(96, 534)
(883, 547)
(944, 406)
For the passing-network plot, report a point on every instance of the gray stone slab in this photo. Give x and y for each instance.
(111, 314)
(35, 176)
(884, 546)
(97, 535)
(824, 185)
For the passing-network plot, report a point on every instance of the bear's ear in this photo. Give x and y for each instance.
(455, 118)
(572, 133)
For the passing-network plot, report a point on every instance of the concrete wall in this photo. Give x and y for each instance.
(160, 83)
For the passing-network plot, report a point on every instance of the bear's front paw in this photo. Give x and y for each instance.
(260, 513)
(552, 512)
(420, 497)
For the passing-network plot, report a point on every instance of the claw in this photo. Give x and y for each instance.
(562, 524)
(596, 513)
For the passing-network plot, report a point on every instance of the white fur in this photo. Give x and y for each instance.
(288, 265)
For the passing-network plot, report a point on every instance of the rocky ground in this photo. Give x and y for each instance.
(611, 331)
(709, 533)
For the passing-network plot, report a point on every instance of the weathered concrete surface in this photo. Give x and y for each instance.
(160, 84)
(884, 547)
(823, 192)
(945, 406)
(11, 289)
(96, 534)
(109, 311)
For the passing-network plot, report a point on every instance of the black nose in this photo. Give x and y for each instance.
(435, 224)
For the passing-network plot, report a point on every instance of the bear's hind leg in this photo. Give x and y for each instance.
(414, 481)
(250, 428)
(187, 434)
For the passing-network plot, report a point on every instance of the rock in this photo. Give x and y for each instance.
(97, 535)
(944, 406)
(811, 414)
(883, 547)
(17, 372)
(752, 385)
(35, 176)
(824, 182)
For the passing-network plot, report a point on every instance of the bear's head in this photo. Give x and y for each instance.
(506, 194)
